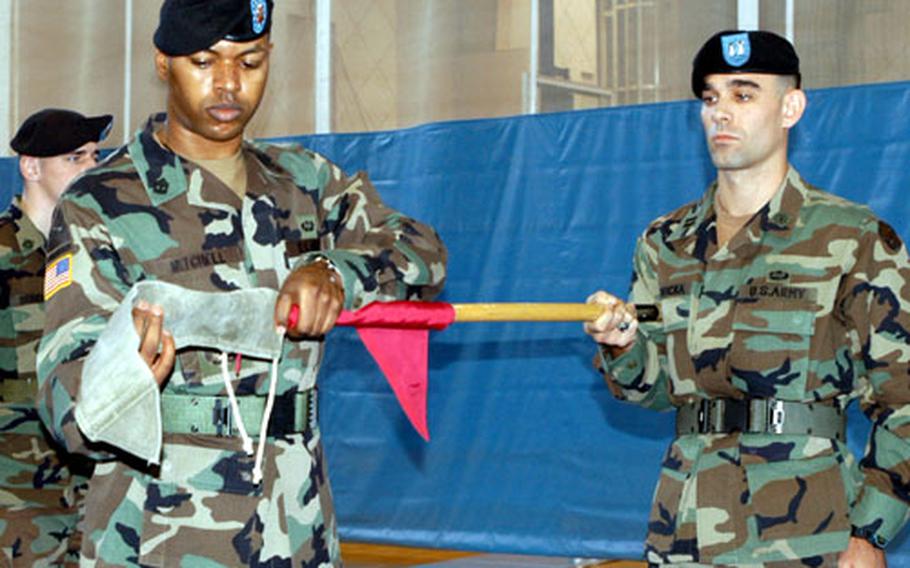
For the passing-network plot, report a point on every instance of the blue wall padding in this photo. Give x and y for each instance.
(529, 452)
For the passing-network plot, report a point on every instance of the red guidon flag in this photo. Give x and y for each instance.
(397, 336)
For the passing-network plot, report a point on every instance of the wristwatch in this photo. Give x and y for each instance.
(868, 533)
(331, 265)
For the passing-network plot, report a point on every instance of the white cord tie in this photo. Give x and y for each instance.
(264, 427)
(235, 409)
(266, 413)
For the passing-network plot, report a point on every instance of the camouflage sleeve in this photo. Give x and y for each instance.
(381, 253)
(8, 357)
(875, 303)
(9, 272)
(89, 287)
(639, 375)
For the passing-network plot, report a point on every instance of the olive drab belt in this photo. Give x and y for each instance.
(211, 415)
(761, 416)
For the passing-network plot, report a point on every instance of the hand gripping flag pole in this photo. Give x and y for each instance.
(397, 336)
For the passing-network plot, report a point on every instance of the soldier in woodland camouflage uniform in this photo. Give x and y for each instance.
(38, 485)
(780, 303)
(189, 202)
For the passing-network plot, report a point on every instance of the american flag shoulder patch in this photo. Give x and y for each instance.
(58, 275)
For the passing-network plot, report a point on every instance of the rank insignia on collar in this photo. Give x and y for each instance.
(308, 227)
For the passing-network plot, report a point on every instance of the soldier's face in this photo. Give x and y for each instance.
(57, 172)
(213, 94)
(746, 119)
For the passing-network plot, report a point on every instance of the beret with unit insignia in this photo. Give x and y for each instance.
(735, 51)
(188, 26)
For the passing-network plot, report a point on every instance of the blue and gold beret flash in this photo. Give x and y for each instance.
(188, 26)
(54, 131)
(735, 51)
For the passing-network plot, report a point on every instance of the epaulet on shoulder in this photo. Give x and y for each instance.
(5, 218)
(288, 153)
(848, 212)
(8, 230)
(89, 181)
(269, 147)
(302, 164)
(665, 222)
(276, 149)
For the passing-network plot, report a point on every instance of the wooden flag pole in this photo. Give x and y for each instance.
(542, 312)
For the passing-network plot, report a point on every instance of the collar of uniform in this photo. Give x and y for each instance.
(782, 212)
(164, 174)
(695, 216)
(779, 215)
(160, 170)
(28, 236)
(271, 164)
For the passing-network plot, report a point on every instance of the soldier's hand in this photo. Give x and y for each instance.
(861, 554)
(156, 344)
(318, 292)
(616, 325)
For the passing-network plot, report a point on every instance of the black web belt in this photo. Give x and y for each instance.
(761, 416)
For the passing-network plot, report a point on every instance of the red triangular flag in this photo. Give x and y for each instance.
(402, 356)
(397, 335)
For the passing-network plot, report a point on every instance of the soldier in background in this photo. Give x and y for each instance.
(780, 304)
(39, 486)
(188, 201)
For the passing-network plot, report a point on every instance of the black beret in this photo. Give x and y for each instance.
(736, 51)
(54, 131)
(188, 26)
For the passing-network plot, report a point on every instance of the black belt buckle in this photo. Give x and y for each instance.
(222, 418)
(722, 416)
(735, 415)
